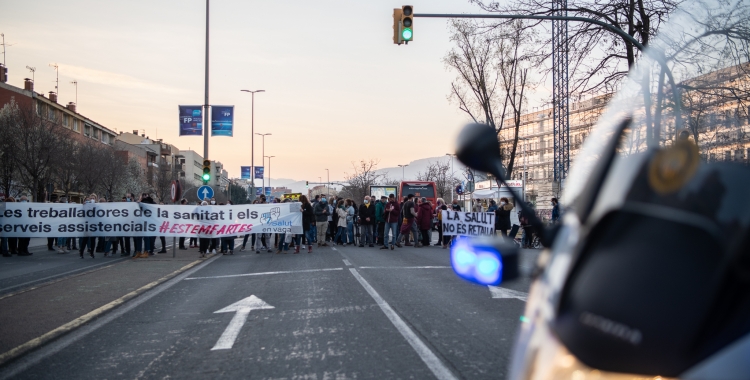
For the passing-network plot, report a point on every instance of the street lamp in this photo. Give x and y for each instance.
(328, 183)
(252, 141)
(263, 152)
(453, 176)
(269, 173)
(402, 171)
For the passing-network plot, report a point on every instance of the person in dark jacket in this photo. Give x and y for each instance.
(392, 216)
(322, 212)
(366, 221)
(528, 230)
(308, 220)
(424, 221)
(555, 211)
(502, 216)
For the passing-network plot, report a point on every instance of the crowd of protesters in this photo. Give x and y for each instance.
(386, 222)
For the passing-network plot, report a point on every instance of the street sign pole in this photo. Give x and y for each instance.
(205, 103)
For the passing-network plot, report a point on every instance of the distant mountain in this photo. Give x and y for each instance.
(410, 172)
(415, 167)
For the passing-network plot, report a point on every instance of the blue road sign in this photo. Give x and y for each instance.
(204, 192)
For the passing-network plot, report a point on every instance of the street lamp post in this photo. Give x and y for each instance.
(328, 182)
(263, 152)
(269, 172)
(252, 141)
(402, 171)
(453, 175)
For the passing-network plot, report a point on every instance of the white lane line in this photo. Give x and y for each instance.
(428, 357)
(265, 273)
(498, 292)
(61, 274)
(334, 248)
(347, 263)
(423, 267)
(34, 357)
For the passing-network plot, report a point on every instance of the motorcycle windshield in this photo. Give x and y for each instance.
(691, 82)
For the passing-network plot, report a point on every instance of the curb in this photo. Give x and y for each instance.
(72, 325)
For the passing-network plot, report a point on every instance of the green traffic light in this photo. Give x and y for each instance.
(406, 34)
(206, 177)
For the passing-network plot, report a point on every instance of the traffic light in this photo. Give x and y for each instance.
(206, 171)
(403, 25)
(307, 184)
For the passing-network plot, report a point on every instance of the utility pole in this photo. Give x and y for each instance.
(252, 142)
(453, 176)
(206, 105)
(402, 171)
(263, 153)
(57, 79)
(5, 46)
(328, 183)
(269, 173)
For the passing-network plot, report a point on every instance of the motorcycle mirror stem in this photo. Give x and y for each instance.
(478, 148)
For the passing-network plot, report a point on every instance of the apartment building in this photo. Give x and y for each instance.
(718, 121)
(66, 115)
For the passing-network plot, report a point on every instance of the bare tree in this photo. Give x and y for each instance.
(88, 172)
(598, 59)
(359, 182)
(135, 178)
(113, 173)
(37, 145)
(8, 167)
(440, 173)
(492, 66)
(65, 168)
(162, 183)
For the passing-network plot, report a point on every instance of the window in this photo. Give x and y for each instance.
(96, 133)
(75, 124)
(738, 155)
(66, 120)
(712, 157)
(727, 155)
(87, 130)
(50, 113)
(39, 108)
(105, 138)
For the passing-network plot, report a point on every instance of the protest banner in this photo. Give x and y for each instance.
(468, 223)
(140, 219)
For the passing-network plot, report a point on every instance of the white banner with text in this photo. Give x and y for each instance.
(140, 219)
(468, 223)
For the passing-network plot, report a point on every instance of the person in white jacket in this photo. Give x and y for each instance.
(341, 225)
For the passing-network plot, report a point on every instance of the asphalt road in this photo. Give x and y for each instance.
(336, 313)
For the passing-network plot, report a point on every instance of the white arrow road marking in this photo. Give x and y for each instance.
(242, 309)
(498, 292)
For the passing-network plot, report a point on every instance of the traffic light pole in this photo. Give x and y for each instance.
(609, 27)
(205, 102)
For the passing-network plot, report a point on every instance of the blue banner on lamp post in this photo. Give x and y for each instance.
(258, 172)
(244, 172)
(222, 120)
(268, 191)
(191, 120)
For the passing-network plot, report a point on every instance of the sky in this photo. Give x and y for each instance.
(337, 89)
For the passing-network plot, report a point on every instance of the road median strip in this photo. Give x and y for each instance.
(43, 339)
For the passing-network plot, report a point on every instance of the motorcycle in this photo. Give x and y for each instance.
(648, 273)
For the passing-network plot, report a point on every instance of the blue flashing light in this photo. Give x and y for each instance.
(480, 264)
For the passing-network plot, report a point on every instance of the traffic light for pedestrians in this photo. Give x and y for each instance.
(403, 25)
(206, 171)
(307, 184)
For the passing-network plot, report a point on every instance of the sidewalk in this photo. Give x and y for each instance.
(29, 314)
